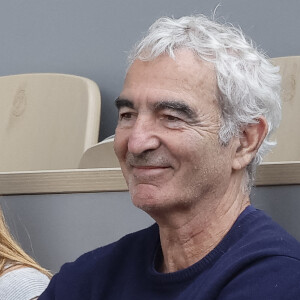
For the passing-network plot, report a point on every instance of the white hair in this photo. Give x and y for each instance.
(248, 84)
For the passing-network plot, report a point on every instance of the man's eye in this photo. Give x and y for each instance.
(171, 118)
(126, 116)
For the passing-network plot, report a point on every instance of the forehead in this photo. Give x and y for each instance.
(186, 77)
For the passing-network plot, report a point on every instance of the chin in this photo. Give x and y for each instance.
(147, 198)
(145, 201)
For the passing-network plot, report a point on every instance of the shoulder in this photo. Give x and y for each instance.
(133, 241)
(261, 260)
(22, 283)
(273, 277)
(255, 232)
(255, 237)
(94, 270)
(110, 256)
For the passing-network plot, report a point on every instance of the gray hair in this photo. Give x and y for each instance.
(248, 84)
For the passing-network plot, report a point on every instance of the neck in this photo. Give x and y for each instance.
(187, 237)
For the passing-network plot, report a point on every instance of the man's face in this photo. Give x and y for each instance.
(167, 134)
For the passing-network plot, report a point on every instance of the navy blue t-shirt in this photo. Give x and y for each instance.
(257, 260)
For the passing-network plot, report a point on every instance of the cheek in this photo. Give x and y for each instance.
(201, 161)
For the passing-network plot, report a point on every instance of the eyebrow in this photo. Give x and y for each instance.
(123, 103)
(179, 106)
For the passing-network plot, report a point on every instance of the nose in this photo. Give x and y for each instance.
(143, 137)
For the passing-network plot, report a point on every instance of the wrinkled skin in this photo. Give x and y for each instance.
(169, 151)
(171, 158)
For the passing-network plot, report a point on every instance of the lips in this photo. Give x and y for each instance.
(149, 172)
(148, 165)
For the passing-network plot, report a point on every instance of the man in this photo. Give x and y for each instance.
(198, 105)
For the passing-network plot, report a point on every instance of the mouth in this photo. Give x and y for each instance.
(149, 171)
(149, 167)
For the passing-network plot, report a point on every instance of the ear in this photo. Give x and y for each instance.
(249, 142)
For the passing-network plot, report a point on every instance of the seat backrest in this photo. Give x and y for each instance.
(287, 135)
(47, 121)
(101, 155)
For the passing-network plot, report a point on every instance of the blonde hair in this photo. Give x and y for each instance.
(11, 253)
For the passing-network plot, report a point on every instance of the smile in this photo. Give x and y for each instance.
(149, 171)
